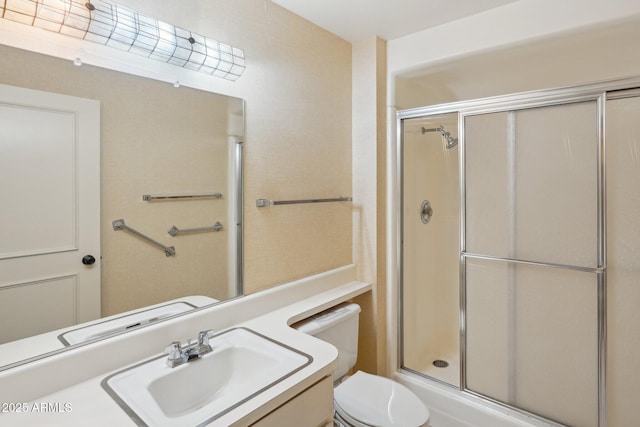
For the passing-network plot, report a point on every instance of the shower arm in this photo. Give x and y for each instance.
(438, 129)
(451, 142)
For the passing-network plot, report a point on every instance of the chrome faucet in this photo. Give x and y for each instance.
(179, 354)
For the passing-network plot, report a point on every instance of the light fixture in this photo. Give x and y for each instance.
(122, 28)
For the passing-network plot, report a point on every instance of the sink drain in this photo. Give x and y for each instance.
(440, 363)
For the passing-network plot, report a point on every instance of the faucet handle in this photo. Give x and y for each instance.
(203, 337)
(174, 350)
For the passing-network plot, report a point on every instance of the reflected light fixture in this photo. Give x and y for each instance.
(116, 26)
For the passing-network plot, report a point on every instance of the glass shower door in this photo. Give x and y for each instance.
(623, 257)
(533, 259)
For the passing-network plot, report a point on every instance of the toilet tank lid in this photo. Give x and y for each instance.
(328, 318)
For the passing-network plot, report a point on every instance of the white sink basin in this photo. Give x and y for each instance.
(242, 364)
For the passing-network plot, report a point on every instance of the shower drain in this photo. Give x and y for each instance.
(440, 363)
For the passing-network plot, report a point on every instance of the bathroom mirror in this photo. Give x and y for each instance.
(170, 176)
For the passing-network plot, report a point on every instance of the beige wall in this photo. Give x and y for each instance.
(581, 56)
(298, 92)
(369, 192)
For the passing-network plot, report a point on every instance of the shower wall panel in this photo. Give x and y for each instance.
(430, 252)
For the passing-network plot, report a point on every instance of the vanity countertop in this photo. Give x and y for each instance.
(85, 402)
(26, 348)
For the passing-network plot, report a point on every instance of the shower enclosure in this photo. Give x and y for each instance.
(519, 250)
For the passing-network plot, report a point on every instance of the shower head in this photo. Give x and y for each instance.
(451, 142)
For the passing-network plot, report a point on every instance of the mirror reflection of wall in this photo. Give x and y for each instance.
(155, 139)
(298, 86)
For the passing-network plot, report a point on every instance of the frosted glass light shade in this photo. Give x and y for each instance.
(116, 26)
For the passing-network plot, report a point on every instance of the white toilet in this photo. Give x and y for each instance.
(362, 400)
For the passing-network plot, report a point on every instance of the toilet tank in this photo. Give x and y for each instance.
(339, 327)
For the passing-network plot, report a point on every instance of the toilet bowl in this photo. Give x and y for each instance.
(362, 400)
(370, 400)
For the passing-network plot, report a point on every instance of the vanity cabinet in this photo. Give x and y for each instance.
(311, 408)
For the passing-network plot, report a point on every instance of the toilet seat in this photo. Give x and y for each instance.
(369, 400)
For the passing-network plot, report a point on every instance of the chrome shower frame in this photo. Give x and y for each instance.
(597, 92)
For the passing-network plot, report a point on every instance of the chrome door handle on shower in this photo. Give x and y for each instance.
(426, 211)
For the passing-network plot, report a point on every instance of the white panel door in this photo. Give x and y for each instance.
(50, 215)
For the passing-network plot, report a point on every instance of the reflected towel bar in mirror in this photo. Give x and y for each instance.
(150, 197)
(174, 231)
(261, 203)
(119, 224)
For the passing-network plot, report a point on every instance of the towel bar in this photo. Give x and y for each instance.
(261, 203)
(150, 197)
(174, 231)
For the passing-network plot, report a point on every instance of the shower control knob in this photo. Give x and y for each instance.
(426, 211)
(88, 260)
